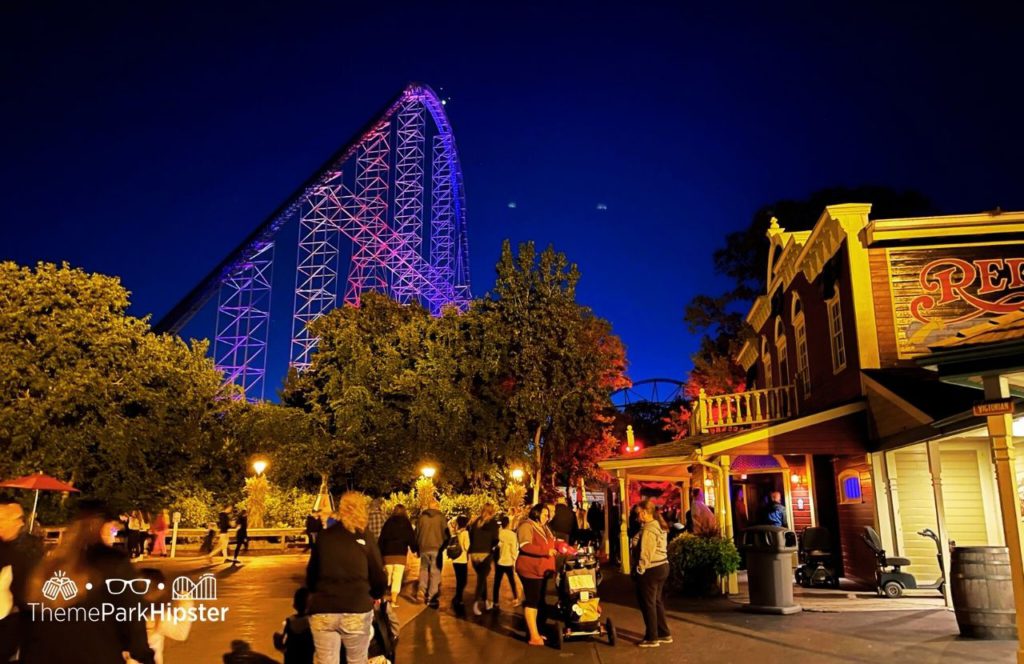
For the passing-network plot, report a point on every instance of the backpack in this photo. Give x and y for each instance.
(454, 549)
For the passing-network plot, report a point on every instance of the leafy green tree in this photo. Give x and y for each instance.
(559, 363)
(90, 394)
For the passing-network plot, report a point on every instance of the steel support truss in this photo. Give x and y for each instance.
(243, 318)
(379, 213)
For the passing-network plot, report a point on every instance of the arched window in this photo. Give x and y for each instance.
(850, 491)
(835, 330)
(803, 367)
(766, 357)
(782, 352)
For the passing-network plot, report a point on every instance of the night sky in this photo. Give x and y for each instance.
(145, 141)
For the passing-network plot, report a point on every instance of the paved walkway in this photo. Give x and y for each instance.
(259, 596)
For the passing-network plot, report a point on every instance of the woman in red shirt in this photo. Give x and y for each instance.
(536, 562)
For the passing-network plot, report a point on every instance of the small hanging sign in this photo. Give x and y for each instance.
(993, 407)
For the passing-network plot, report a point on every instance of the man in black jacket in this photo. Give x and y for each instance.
(19, 553)
(346, 576)
(563, 524)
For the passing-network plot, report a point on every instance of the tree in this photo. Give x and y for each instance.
(90, 394)
(560, 363)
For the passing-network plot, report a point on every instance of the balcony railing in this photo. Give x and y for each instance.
(741, 410)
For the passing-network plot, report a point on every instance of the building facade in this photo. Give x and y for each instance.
(839, 416)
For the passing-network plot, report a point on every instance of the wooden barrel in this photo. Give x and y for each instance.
(982, 592)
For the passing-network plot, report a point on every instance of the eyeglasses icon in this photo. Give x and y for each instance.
(118, 586)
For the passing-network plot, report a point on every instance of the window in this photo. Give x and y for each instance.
(803, 368)
(835, 329)
(782, 350)
(766, 356)
(849, 488)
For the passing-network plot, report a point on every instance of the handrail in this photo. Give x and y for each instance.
(742, 409)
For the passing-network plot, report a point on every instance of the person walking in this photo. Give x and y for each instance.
(535, 564)
(161, 524)
(504, 565)
(19, 554)
(85, 576)
(651, 573)
(563, 521)
(345, 575)
(595, 519)
(458, 553)
(376, 517)
(223, 535)
(397, 539)
(241, 535)
(483, 540)
(314, 524)
(430, 537)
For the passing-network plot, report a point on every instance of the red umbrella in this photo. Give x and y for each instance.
(38, 482)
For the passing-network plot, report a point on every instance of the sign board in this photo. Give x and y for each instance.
(993, 407)
(938, 291)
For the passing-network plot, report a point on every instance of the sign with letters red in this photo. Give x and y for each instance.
(938, 291)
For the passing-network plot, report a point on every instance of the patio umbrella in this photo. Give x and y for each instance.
(38, 482)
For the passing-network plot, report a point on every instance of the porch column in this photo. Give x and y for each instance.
(1000, 431)
(624, 508)
(880, 483)
(935, 470)
(732, 584)
(606, 542)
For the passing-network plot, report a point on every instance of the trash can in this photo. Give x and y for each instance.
(769, 551)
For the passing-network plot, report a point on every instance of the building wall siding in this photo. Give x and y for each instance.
(858, 561)
(915, 510)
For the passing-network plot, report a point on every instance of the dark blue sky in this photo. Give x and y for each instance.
(146, 141)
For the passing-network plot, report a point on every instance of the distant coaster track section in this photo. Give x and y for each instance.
(657, 391)
(385, 213)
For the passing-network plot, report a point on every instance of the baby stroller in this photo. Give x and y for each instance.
(578, 611)
(385, 634)
(817, 564)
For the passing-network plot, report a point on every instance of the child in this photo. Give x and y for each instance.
(508, 551)
(295, 640)
(157, 629)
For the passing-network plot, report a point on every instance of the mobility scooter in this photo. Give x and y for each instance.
(890, 579)
(817, 563)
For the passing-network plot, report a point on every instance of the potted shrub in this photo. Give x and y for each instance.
(696, 563)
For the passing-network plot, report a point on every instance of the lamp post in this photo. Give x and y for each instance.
(256, 489)
(425, 491)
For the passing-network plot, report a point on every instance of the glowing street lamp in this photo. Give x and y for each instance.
(428, 472)
(631, 444)
(517, 474)
(259, 466)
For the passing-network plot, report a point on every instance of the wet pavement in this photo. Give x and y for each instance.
(259, 596)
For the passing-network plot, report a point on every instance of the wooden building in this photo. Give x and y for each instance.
(841, 418)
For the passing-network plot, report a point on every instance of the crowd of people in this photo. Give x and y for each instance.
(83, 567)
(355, 575)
